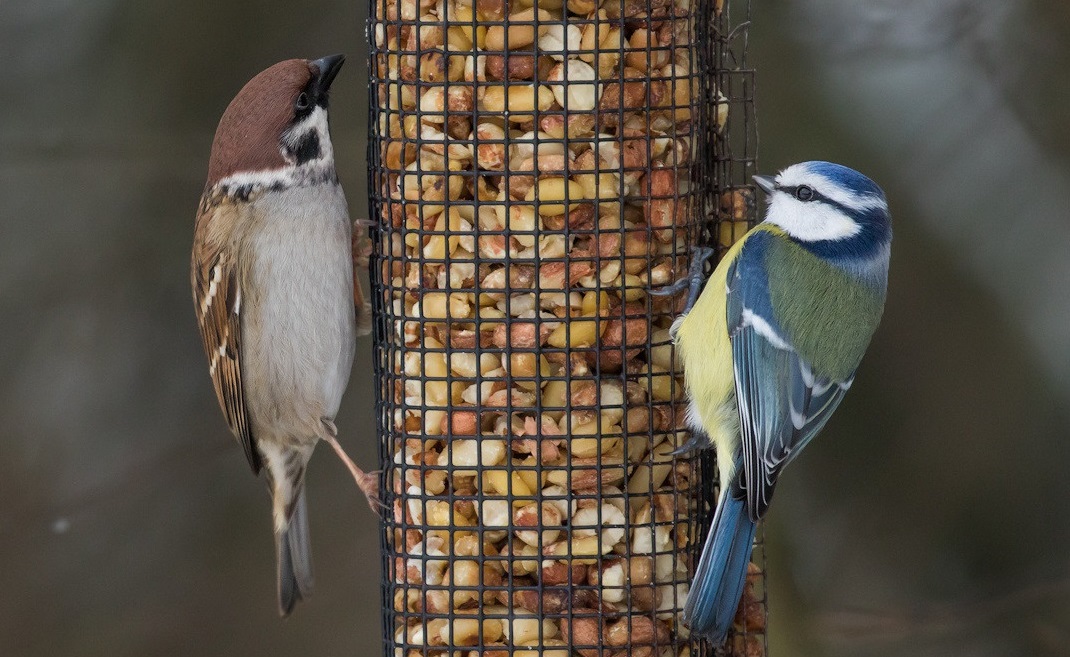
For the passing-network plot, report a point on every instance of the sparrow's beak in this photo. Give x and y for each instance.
(766, 183)
(326, 69)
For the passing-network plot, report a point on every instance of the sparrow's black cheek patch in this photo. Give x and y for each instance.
(240, 192)
(307, 148)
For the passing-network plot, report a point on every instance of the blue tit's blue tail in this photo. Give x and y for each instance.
(722, 571)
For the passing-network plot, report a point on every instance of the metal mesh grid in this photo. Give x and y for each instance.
(536, 167)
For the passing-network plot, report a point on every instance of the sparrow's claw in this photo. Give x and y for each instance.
(365, 247)
(362, 251)
(364, 318)
(368, 483)
(692, 282)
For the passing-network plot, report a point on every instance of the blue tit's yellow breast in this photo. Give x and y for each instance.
(706, 354)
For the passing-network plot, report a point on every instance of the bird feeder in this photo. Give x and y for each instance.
(536, 167)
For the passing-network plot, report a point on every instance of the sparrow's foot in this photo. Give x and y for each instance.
(363, 247)
(367, 482)
(692, 282)
(363, 308)
(363, 256)
(364, 319)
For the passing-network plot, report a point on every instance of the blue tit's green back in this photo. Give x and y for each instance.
(828, 315)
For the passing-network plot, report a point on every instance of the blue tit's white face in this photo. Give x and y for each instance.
(820, 201)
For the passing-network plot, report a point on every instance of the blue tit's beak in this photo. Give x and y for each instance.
(766, 183)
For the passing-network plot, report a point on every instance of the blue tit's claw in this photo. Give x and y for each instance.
(692, 297)
(692, 282)
(695, 277)
(671, 289)
(701, 254)
(696, 442)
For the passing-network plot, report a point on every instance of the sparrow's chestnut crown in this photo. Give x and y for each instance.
(251, 131)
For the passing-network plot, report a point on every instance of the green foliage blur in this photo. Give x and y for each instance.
(932, 517)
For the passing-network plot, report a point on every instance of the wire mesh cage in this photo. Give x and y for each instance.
(537, 166)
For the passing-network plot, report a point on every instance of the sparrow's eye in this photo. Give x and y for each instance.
(302, 103)
(804, 193)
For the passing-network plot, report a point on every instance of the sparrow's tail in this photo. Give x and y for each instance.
(722, 571)
(294, 557)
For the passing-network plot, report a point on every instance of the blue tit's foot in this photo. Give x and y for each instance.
(670, 289)
(693, 281)
(698, 440)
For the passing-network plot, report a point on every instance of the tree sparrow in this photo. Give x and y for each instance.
(274, 294)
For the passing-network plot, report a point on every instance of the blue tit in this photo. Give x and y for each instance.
(769, 348)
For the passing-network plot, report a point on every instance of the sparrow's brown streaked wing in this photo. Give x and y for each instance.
(217, 297)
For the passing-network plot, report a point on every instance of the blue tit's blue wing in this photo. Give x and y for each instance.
(782, 404)
(809, 418)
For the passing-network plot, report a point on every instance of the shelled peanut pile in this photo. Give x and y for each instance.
(537, 174)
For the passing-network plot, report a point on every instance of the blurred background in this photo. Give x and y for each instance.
(931, 518)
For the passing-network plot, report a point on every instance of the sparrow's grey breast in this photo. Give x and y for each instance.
(297, 361)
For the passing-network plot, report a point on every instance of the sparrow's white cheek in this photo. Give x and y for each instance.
(316, 122)
(810, 222)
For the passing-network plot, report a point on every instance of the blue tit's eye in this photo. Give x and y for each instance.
(302, 103)
(804, 193)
